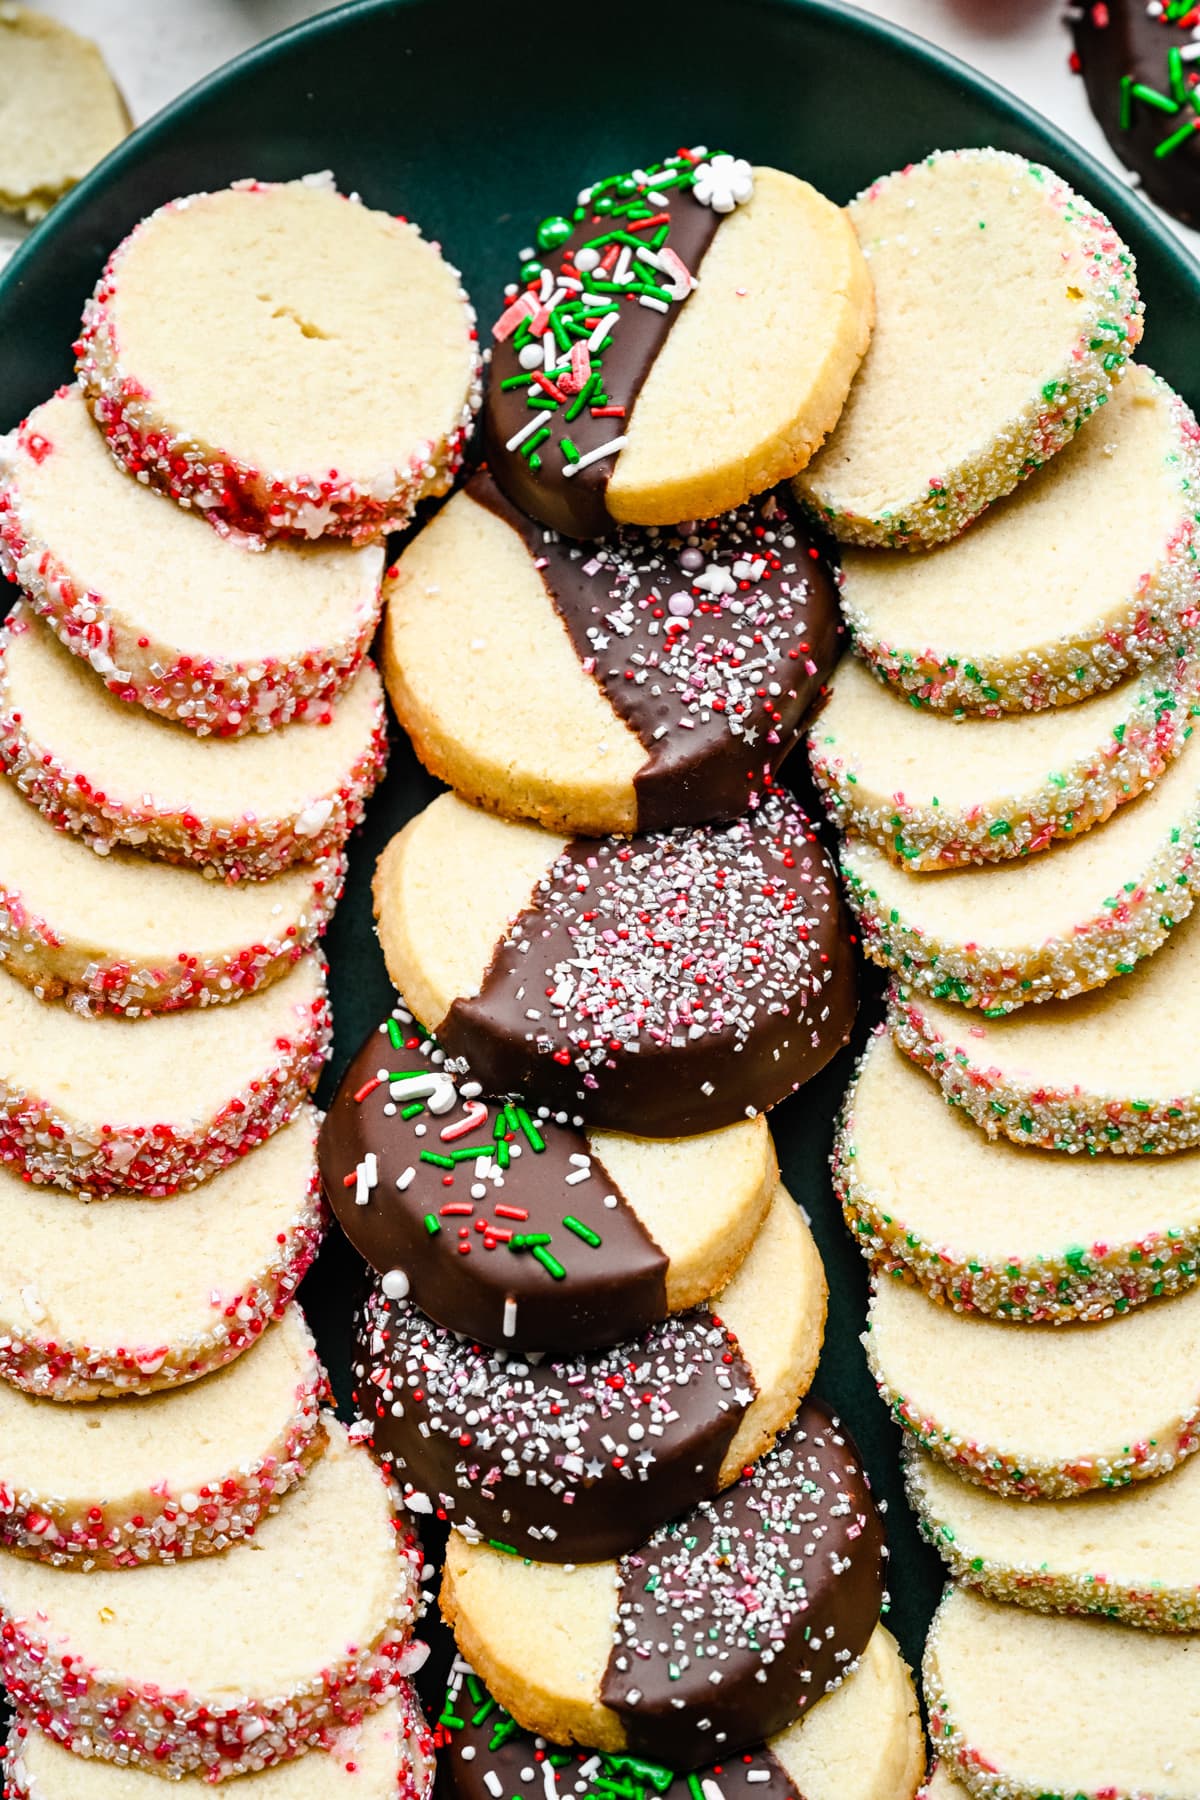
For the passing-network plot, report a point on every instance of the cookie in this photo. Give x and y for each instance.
(574, 1460)
(661, 1655)
(170, 616)
(1137, 59)
(229, 1692)
(937, 792)
(1023, 1707)
(127, 1296)
(283, 359)
(678, 982)
(116, 775)
(862, 1742)
(653, 680)
(984, 1227)
(1062, 588)
(699, 324)
(1006, 310)
(149, 1106)
(108, 1485)
(561, 1240)
(60, 111)
(1133, 1555)
(942, 1785)
(121, 934)
(1040, 1413)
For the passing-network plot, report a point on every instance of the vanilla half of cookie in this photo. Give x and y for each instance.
(61, 110)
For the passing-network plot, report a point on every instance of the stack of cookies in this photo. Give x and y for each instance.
(1011, 757)
(201, 1574)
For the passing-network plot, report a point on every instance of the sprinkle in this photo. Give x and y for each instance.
(510, 1317)
(549, 1262)
(596, 455)
(582, 1231)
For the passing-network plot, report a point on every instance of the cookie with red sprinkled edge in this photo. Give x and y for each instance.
(662, 985)
(939, 792)
(165, 1478)
(169, 615)
(150, 1106)
(226, 1692)
(284, 360)
(1006, 310)
(251, 806)
(62, 109)
(1043, 1412)
(656, 679)
(683, 340)
(571, 1459)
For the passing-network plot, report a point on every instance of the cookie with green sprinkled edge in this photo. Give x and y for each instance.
(986, 1228)
(959, 399)
(1132, 1555)
(940, 792)
(1046, 1412)
(1025, 1707)
(1082, 574)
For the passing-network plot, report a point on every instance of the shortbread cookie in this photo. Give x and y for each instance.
(677, 982)
(116, 775)
(167, 614)
(125, 1296)
(115, 1484)
(937, 792)
(1023, 1707)
(656, 679)
(279, 1644)
(512, 1225)
(1043, 1412)
(149, 1106)
(120, 934)
(283, 359)
(60, 111)
(622, 1655)
(1136, 59)
(985, 1227)
(942, 1785)
(575, 1460)
(1080, 576)
(946, 417)
(1133, 1555)
(863, 1741)
(683, 340)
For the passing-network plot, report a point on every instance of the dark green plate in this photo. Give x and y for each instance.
(477, 120)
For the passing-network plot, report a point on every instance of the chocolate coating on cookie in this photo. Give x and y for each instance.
(500, 1221)
(711, 641)
(563, 1460)
(1137, 59)
(676, 982)
(736, 1618)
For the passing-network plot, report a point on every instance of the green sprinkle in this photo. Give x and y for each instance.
(412, 1109)
(569, 450)
(438, 1161)
(1176, 138)
(531, 443)
(549, 1262)
(537, 1142)
(583, 1231)
(395, 1036)
(432, 1224)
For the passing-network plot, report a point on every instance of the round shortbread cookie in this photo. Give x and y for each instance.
(1083, 574)
(661, 1655)
(283, 359)
(985, 1227)
(516, 1227)
(113, 1484)
(120, 934)
(149, 1106)
(863, 1741)
(653, 680)
(937, 792)
(60, 110)
(574, 1460)
(270, 1650)
(169, 615)
(677, 982)
(946, 417)
(1043, 1412)
(248, 807)
(1025, 1707)
(699, 323)
(127, 1296)
(1133, 1555)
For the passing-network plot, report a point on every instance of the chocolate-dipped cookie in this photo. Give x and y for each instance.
(514, 1226)
(1138, 59)
(576, 1459)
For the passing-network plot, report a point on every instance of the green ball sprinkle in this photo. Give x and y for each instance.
(552, 232)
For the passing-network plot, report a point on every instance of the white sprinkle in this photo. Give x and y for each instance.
(395, 1284)
(510, 1317)
(406, 1179)
(596, 455)
(518, 437)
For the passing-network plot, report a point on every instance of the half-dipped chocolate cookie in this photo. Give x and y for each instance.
(513, 1225)
(1138, 62)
